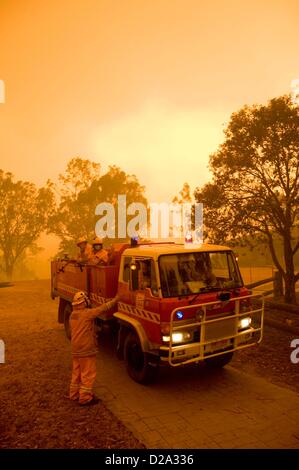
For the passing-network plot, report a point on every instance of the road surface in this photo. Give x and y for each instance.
(198, 408)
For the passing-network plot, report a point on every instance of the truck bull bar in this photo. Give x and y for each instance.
(217, 336)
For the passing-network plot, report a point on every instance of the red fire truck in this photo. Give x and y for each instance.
(178, 304)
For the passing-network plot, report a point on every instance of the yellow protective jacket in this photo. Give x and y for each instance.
(83, 339)
(84, 257)
(99, 257)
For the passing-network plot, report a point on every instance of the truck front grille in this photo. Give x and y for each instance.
(220, 329)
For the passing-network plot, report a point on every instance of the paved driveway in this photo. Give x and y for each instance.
(193, 407)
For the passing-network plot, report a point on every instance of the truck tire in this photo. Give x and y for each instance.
(217, 362)
(66, 320)
(137, 362)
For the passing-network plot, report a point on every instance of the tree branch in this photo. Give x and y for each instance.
(295, 249)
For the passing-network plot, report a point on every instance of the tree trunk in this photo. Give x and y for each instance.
(290, 289)
(9, 271)
(290, 284)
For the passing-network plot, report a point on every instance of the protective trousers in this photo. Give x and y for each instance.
(83, 376)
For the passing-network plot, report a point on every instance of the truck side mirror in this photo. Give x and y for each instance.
(224, 296)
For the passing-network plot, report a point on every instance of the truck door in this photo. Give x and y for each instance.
(143, 284)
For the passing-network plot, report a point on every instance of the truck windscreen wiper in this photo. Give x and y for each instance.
(204, 289)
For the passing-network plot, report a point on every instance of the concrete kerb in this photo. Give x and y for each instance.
(287, 308)
(282, 306)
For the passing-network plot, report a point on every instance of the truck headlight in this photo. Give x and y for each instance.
(178, 337)
(244, 323)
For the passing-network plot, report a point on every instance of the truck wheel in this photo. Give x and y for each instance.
(219, 361)
(66, 320)
(137, 362)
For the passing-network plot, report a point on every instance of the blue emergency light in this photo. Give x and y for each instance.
(134, 241)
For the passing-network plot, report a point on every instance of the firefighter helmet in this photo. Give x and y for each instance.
(81, 240)
(79, 298)
(97, 241)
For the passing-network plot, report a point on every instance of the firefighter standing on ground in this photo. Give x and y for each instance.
(84, 348)
(98, 255)
(85, 250)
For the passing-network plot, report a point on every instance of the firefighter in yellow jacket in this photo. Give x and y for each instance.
(85, 250)
(84, 348)
(98, 255)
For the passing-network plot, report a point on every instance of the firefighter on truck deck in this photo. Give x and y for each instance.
(98, 255)
(85, 250)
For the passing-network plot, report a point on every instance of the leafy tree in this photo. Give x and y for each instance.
(78, 177)
(81, 189)
(184, 195)
(255, 188)
(24, 211)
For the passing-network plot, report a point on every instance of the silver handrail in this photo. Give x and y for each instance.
(200, 346)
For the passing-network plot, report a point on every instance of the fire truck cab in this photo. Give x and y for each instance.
(177, 304)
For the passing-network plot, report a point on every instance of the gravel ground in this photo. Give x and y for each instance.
(36, 375)
(271, 358)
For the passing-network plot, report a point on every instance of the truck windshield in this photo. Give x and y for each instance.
(195, 272)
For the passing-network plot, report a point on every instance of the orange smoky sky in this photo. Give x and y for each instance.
(147, 85)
